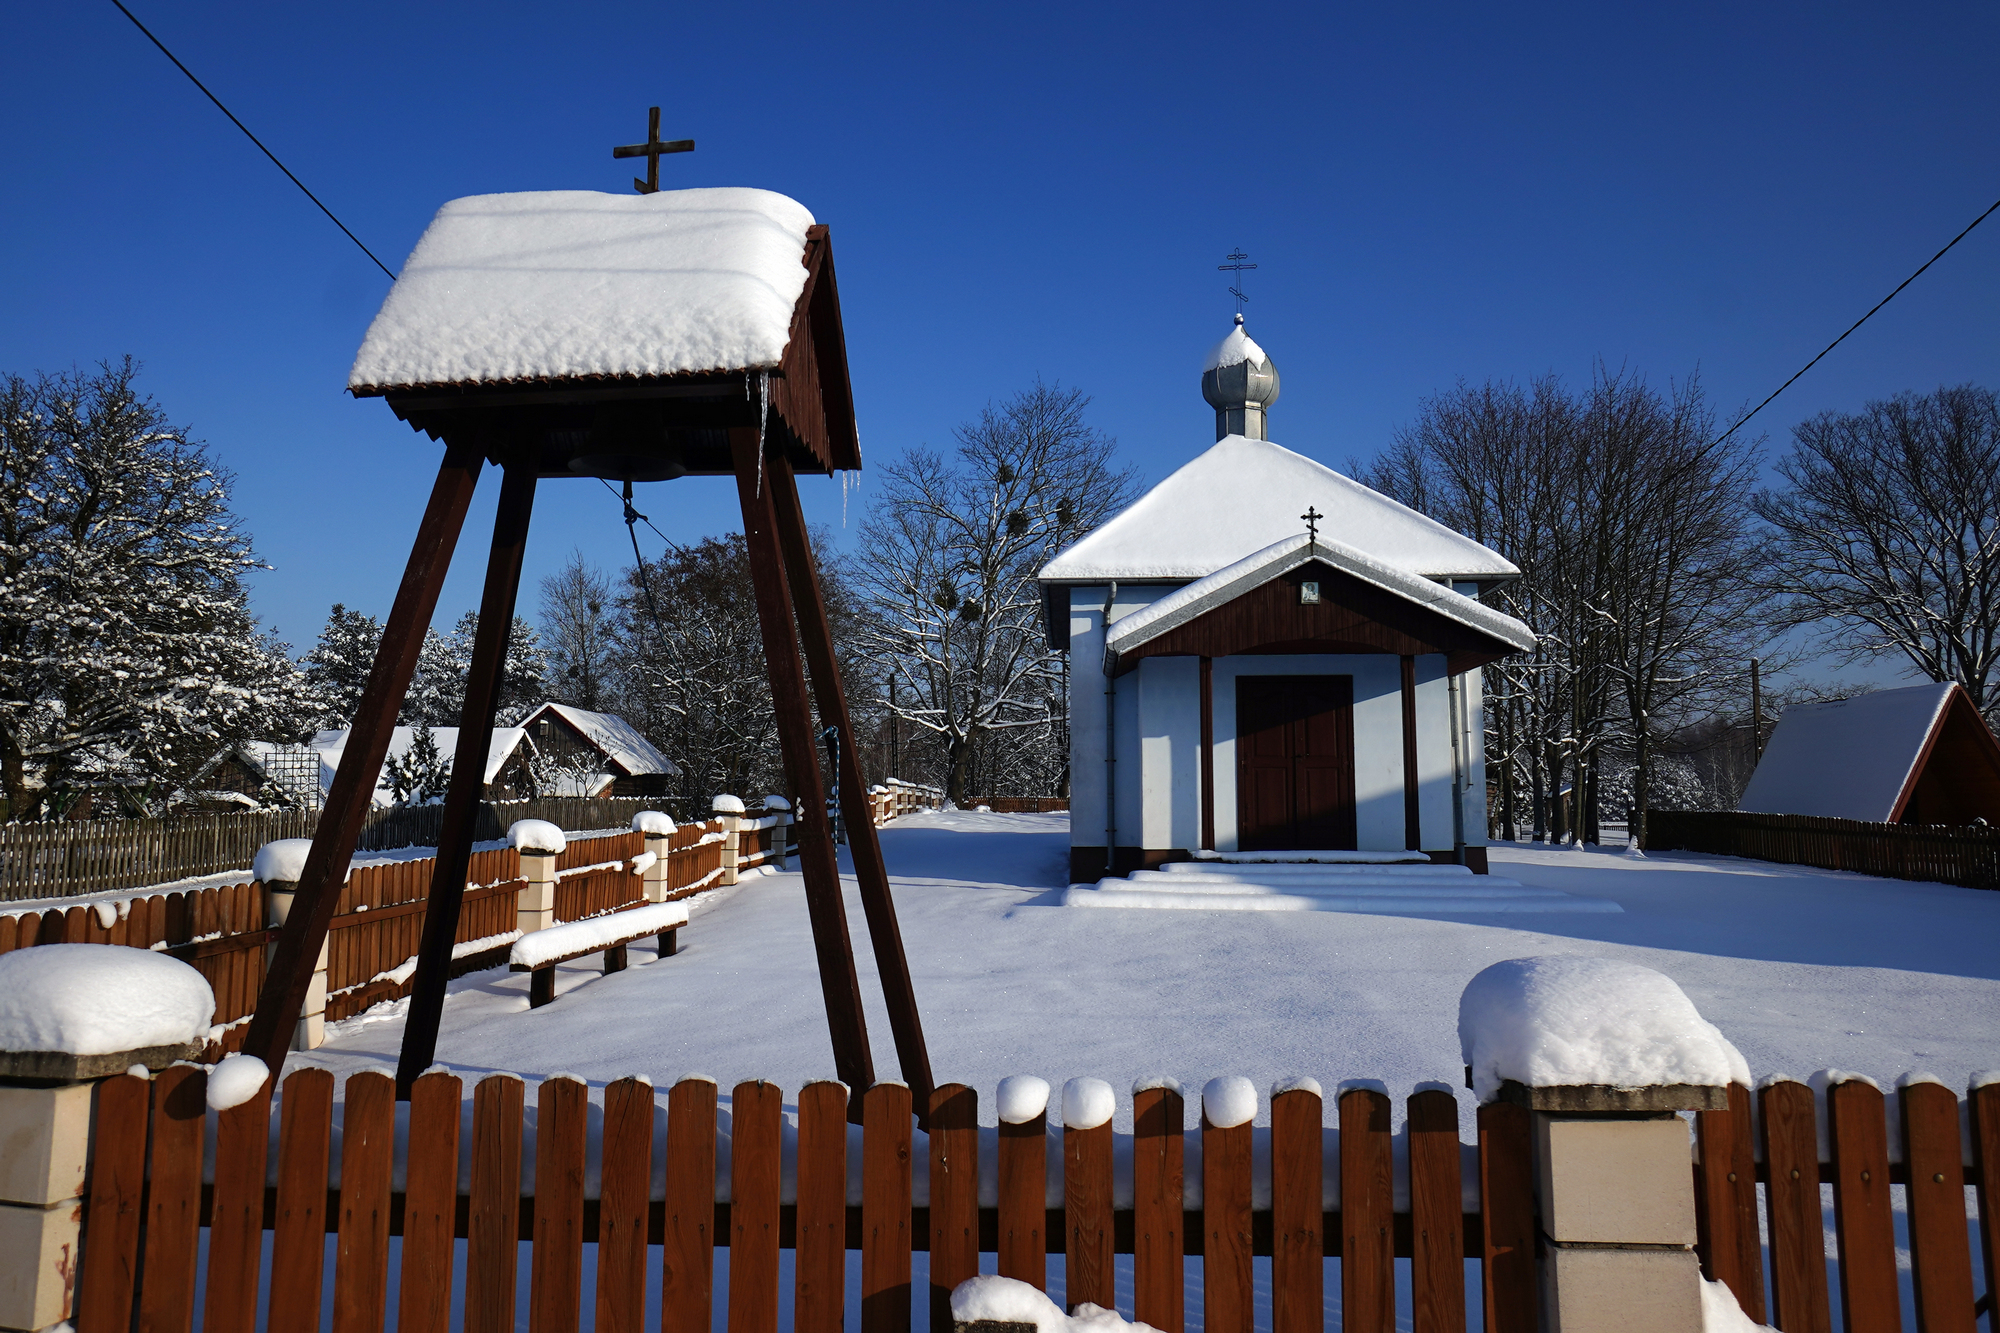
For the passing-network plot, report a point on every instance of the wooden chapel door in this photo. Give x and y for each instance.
(1295, 763)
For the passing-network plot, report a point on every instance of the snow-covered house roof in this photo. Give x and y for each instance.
(1880, 757)
(613, 737)
(1242, 495)
(331, 744)
(1227, 584)
(555, 284)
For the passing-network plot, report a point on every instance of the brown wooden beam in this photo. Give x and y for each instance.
(1208, 754)
(847, 1025)
(871, 873)
(1413, 828)
(353, 788)
(468, 772)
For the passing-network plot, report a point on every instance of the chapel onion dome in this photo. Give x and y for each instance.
(1240, 383)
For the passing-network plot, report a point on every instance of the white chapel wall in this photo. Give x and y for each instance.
(1435, 767)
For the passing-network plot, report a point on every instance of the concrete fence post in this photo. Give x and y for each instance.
(780, 809)
(47, 1111)
(311, 1030)
(535, 901)
(1604, 1055)
(656, 873)
(729, 813)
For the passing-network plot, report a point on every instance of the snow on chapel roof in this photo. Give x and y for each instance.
(618, 739)
(1846, 760)
(557, 284)
(1241, 496)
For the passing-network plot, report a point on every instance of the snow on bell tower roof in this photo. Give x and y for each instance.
(1241, 496)
(566, 284)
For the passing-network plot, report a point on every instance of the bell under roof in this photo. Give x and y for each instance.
(1241, 496)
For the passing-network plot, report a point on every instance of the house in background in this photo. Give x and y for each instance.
(1920, 755)
(595, 754)
(508, 777)
(1269, 656)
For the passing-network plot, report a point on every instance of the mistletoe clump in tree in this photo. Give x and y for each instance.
(128, 654)
(953, 543)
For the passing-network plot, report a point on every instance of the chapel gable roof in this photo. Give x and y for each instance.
(612, 737)
(1921, 754)
(1242, 495)
(1363, 605)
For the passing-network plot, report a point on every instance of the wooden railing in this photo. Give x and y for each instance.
(373, 938)
(1969, 857)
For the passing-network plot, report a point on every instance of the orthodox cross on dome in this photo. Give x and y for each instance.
(1236, 266)
(1312, 516)
(651, 150)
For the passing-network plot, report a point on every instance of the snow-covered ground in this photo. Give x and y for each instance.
(1801, 969)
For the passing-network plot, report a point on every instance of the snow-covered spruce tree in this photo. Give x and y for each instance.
(421, 774)
(952, 544)
(339, 663)
(576, 623)
(128, 654)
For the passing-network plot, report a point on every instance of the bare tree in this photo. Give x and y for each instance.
(1631, 529)
(1889, 534)
(577, 615)
(952, 546)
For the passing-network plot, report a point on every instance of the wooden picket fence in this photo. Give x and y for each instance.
(882, 1207)
(1022, 805)
(377, 924)
(61, 858)
(837, 1205)
(1968, 857)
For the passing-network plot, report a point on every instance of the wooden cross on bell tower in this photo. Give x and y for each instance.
(651, 150)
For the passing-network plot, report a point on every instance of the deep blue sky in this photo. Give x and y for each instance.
(1429, 194)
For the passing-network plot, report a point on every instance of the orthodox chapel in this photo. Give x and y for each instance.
(1270, 661)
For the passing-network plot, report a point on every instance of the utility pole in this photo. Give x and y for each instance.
(1756, 709)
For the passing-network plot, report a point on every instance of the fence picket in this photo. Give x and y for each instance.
(1367, 1214)
(1792, 1209)
(885, 1209)
(1437, 1221)
(756, 1112)
(555, 1291)
(493, 1223)
(1507, 1207)
(1863, 1216)
(236, 1215)
(820, 1268)
(687, 1261)
(173, 1198)
(1024, 1193)
(111, 1223)
(1158, 1129)
(367, 1164)
(1088, 1244)
(1298, 1245)
(1940, 1258)
(625, 1173)
(1985, 1104)
(1725, 1198)
(430, 1204)
(1227, 1295)
(954, 1180)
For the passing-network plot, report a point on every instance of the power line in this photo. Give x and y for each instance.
(1859, 322)
(251, 137)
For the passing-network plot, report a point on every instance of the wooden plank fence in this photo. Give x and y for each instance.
(1021, 805)
(62, 858)
(374, 935)
(1032, 1197)
(1968, 857)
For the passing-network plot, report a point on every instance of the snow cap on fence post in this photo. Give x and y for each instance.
(1229, 1101)
(657, 828)
(1601, 1054)
(1020, 1098)
(1088, 1103)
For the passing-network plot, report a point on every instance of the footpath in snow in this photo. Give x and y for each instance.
(1800, 969)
